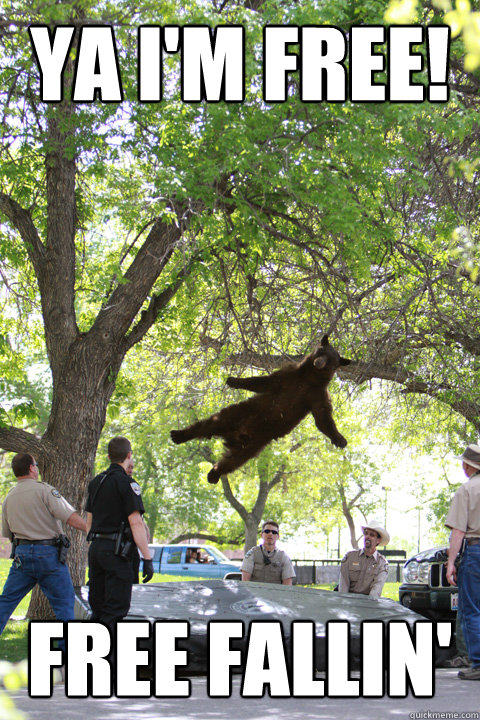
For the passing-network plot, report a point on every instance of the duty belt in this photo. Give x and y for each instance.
(21, 541)
(104, 536)
(473, 541)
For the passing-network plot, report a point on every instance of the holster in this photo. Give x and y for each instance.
(63, 543)
(14, 547)
(124, 541)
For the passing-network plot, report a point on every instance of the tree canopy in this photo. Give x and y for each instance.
(244, 229)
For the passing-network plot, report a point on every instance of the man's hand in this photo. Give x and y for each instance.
(456, 539)
(451, 572)
(147, 570)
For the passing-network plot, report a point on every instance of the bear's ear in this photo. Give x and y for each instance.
(345, 361)
(324, 341)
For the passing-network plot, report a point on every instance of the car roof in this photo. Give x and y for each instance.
(178, 545)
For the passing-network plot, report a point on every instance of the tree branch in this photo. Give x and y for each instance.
(230, 497)
(220, 539)
(359, 372)
(16, 440)
(22, 221)
(115, 317)
(157, 303)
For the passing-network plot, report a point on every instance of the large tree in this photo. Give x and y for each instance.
(116, 217)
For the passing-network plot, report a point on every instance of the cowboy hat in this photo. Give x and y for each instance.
(375, 525)
(471, 456)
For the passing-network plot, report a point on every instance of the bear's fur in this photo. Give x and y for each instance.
(283, 399)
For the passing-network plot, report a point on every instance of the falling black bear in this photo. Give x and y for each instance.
(283, 399)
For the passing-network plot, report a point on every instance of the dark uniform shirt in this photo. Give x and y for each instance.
(114, 500)
(112, 497)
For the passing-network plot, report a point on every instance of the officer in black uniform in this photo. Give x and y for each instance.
(116, 528)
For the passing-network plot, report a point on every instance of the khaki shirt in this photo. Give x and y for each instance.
(34, 510)
(362, 574)
(280, 567)
(464, 513)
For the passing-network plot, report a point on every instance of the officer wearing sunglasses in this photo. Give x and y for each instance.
(265, 563)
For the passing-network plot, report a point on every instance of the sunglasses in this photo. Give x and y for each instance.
(267, 532)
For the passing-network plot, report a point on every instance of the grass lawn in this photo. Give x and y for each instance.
(14, 640)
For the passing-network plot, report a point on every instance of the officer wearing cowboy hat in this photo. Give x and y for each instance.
(365, 571)
(464, 520)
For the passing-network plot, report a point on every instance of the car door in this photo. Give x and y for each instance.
(208, 567)
(172, 561)
(156, 554)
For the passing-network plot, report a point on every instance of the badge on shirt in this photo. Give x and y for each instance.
(136, 488)
(55, 493)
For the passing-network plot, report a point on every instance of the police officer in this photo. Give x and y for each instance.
(464, 520)
(265, 563)
(32, 518)
(114, 521)
(365, 571)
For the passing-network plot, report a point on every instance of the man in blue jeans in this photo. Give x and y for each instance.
(464, 520)
(32, 518)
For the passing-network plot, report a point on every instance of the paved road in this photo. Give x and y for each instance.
(451, 696)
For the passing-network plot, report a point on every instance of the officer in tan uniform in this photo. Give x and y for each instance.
(365, 571)
(265, 563)
(32, 518)
(464, 520)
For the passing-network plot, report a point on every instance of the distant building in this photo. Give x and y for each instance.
(234, 554)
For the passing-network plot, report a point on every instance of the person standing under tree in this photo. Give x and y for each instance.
(32, 517)
(463, 519)
(116, 529)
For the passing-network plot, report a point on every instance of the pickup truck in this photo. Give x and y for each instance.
(191, 560)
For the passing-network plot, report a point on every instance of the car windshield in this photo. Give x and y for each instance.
(217, 554)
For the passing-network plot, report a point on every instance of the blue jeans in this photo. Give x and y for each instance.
(38, 564)
(469, 600)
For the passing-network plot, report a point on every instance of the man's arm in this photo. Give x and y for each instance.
(6, 532)
(248, 565)
(139, 533)
(344, 580)
(378, 583)
(77, 522)
(89, 521)
(288, 573)
(456, 539)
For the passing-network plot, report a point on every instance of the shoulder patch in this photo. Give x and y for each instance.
(250, 552)
(55, 493)
(136, 488)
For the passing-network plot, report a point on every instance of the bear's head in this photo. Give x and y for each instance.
(326, 358)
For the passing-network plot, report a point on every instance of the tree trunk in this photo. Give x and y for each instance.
(251, 529)
(69, 446)
(351, 527)
(346, 509)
